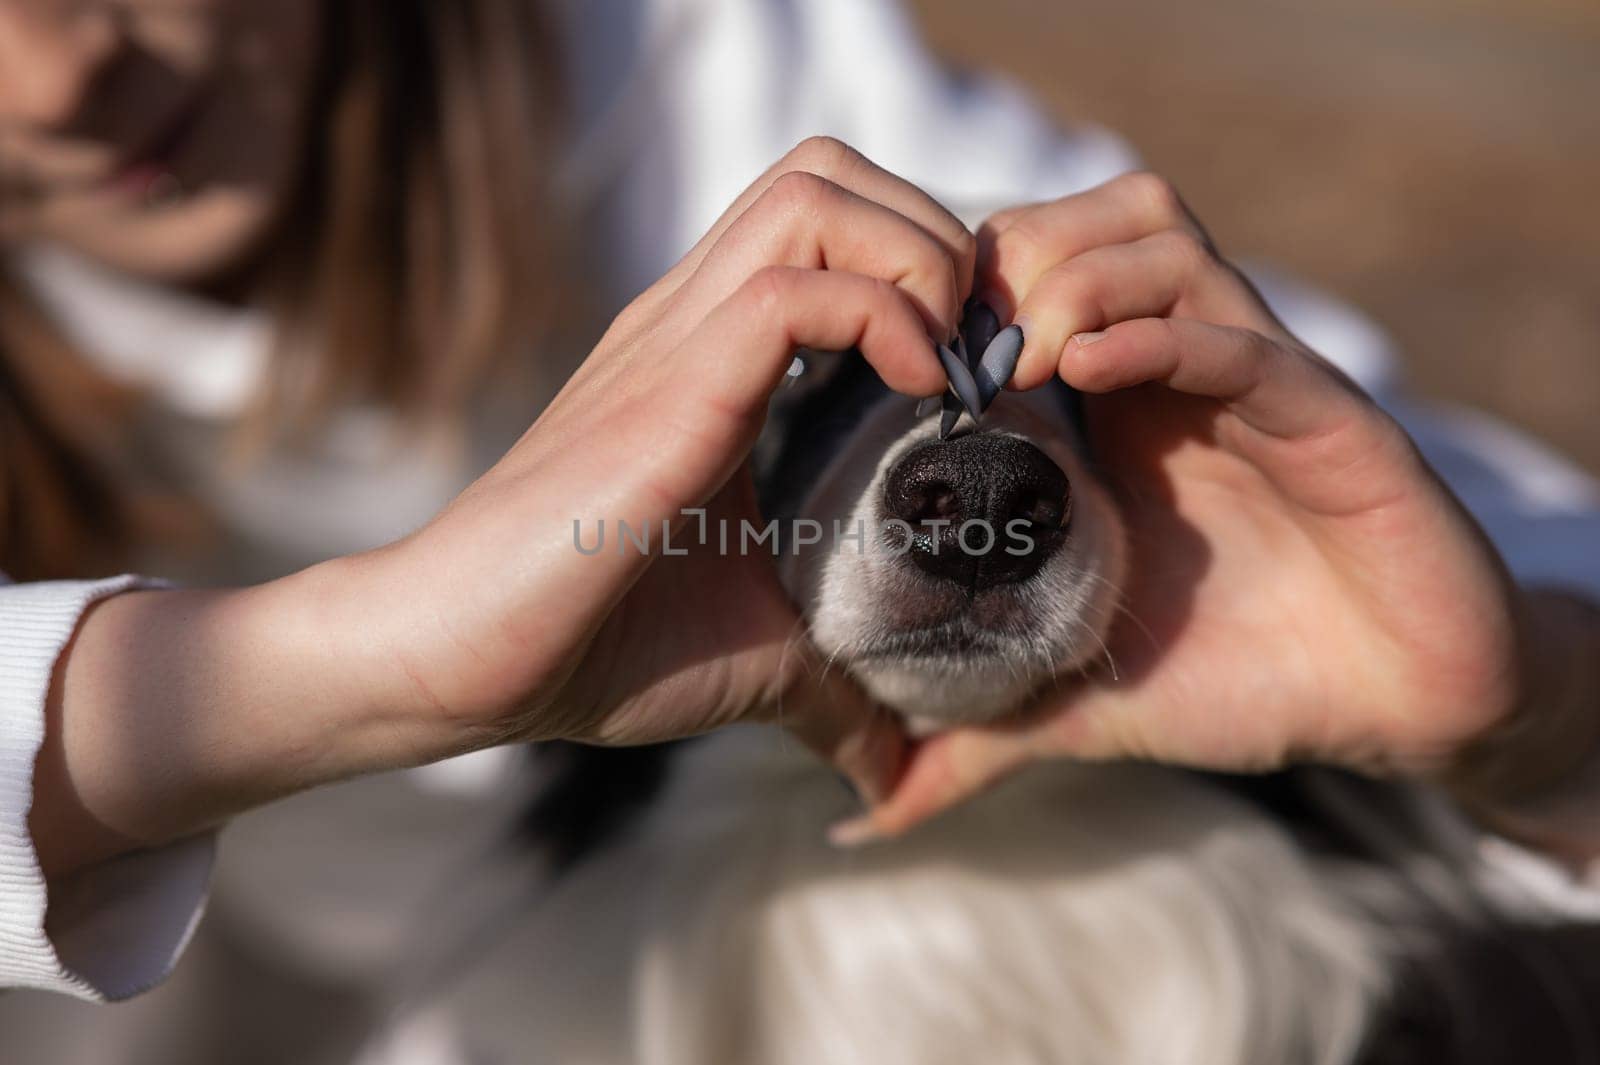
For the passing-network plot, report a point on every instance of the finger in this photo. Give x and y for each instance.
(1170, 272)
(715, 385)
(1315, 435)
(1017, 247)
(807, 221)
(1001, 220)
(956, 766)
(942, 772)
(863, 741)
(779, 309)
(837, 162)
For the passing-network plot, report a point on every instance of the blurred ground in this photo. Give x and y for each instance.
(1436, 162)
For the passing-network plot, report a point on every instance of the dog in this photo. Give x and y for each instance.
(691, 912)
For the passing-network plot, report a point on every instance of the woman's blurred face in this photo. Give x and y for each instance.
(158, 136)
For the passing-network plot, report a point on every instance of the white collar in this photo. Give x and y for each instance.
(201, 358)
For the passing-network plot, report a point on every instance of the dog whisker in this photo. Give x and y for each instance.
(1110, 660)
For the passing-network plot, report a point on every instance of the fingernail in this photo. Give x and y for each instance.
(979, 324)
(961, 382)
(1083, 340)
(950, 416)
(1027, 357)
(998, 363)
(854, 832)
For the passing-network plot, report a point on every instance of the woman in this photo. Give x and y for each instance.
(288, 227)
(171, 710)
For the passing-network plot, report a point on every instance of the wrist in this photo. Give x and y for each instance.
(334, 624)
(1536, 775)
(172, 711)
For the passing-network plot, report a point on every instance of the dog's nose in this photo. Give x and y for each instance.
(984, 509)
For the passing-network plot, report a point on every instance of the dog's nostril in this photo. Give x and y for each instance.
(984, 509)
(1043, 511)
(933, 501)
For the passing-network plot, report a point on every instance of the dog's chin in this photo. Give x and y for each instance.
(942, 659)
(936, 693)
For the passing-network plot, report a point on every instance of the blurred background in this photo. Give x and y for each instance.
(1435, 162)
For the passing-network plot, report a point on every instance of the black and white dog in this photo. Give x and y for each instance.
(985, 564)
(1080, 914)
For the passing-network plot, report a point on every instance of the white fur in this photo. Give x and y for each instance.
(1097, 915)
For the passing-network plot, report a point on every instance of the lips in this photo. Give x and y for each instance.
(954, 639)
(143, 169)
(40, 165)
(934, 620)
(139, 180)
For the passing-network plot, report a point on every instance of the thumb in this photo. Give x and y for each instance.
(864, 741)
(940, 773)
(952, 767)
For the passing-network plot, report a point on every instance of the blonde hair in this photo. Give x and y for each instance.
(413, 253)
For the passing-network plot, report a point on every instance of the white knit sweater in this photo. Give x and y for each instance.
(682, 102)
(115, 930)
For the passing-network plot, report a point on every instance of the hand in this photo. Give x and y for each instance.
(1302, 586)
(506, 628)
(174, 710)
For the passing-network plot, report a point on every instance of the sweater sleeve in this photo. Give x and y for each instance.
(115, 929)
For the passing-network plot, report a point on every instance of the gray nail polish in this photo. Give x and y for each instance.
(959, 346)
(979, 326)
(951, 415)
(961, 381)
(998, 363)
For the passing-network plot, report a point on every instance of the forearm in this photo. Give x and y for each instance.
(171, 711)
(1537, 777)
